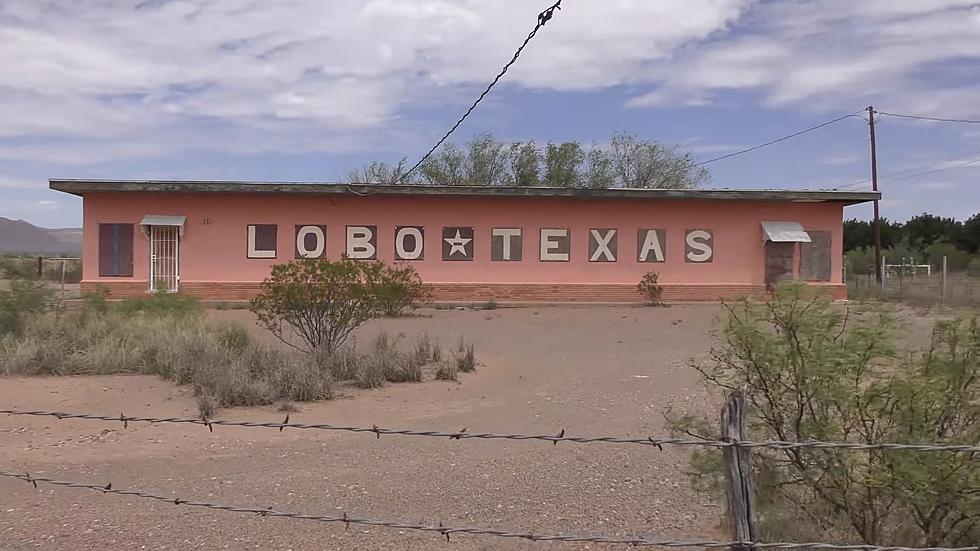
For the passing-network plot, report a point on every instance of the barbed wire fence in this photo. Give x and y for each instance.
(735, 446)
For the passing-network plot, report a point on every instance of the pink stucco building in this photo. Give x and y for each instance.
(218, 240)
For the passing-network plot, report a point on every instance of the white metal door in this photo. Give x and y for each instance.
(164, 258)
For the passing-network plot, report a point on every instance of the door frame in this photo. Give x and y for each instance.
(170, 247)
(793, 260)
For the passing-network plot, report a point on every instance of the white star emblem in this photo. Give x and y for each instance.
(457, 244)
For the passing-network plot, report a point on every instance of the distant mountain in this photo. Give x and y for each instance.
(18, 236)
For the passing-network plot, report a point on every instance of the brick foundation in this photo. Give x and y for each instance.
(482, 292)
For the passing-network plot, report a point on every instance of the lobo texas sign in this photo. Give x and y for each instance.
(459, 243)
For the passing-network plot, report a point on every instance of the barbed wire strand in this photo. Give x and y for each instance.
(465, 435)
(448, 530)
(543, 18)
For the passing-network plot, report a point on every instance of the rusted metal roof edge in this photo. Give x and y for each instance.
(81, 187)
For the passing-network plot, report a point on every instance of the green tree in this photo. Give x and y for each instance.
(447, 167)
(903, 253)
(525, 164)
(956, 260)
(650, 164)
(484, 161)
(925, 229)
(488, 162)
(970, 236)
(857, 234)
(814, 371)
(562, 163)
(860, 233)
(598, 171)
(861, 261)
(380, 172)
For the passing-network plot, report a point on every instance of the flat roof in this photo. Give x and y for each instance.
(82, 187)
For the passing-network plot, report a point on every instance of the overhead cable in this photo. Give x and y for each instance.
(543, 18)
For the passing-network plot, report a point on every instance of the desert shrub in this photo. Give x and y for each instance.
(398, 366)
(371, 372)
(207, 405)
(490, 304)
(465, 357)
(956, 260)
(816, 372)
(218, 359)
(97, 300)
(651, 289)
(860, 261)
(400, 289)
(24, 298)
(447, 370)
(343, 363)
(162, 303)
(973, 267)
(17, 267)
(427, 351)
(319, 302)
(52, 271)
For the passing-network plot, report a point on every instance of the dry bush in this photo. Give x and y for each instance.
(343, 364)
(448, 370)
(465, 357)
(398, 366)
(651, 289)
(207, 405)
(371, 373)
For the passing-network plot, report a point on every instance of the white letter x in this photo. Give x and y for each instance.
(602, 245)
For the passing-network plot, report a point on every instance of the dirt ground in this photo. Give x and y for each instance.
(588, 370)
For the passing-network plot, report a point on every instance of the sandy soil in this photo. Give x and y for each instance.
(591, 371)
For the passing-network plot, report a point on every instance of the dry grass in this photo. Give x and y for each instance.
(447, 370)
(465, 357)
(220, 360)
(165, 335)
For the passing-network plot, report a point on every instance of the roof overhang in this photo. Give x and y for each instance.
(83, 187)
(784, 232)
(163, 220)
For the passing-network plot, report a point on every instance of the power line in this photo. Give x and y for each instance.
(543, 18)
(925, 118)
(446, 531)
(958, 165)
(554, 439)
(965, 162)
(784, 138)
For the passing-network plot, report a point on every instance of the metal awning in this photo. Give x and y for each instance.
(784, 232)
(162, 220)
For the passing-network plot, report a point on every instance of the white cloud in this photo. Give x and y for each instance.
(17, 183)
(834, 54)
(91, 82)
(838, 160)
(697, 145)
(109, 68)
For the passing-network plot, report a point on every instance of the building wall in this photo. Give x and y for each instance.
(213, 259)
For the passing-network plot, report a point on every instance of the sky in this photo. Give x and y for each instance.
(306, 90)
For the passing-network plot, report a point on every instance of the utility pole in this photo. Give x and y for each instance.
(874, 187)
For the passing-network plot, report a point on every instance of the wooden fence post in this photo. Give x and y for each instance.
(738, 468)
